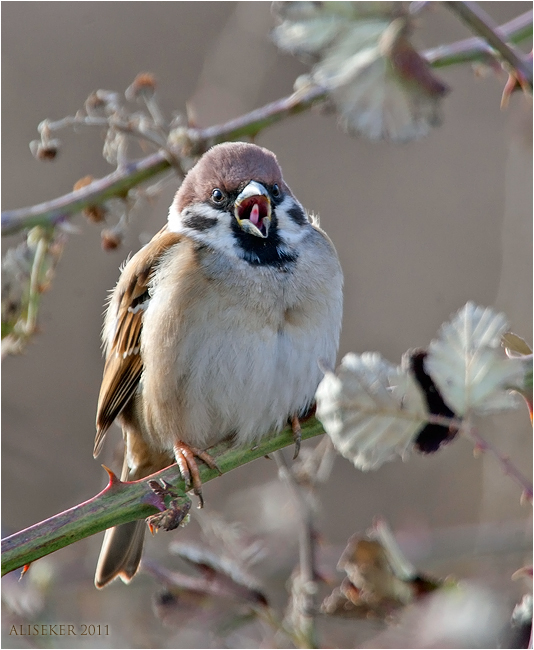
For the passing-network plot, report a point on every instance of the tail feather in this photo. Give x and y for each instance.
(121, 553)
(123, 545)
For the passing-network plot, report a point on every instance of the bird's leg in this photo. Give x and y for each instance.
(297, 434)
(185, 459)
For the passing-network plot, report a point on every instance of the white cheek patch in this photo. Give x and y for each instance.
(218, 236)
(290, 231)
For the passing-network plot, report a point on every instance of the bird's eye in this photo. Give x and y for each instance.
(276, 190)
(217, 196)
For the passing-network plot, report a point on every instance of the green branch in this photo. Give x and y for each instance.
(121, 502)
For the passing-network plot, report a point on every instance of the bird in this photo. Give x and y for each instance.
(215, 327)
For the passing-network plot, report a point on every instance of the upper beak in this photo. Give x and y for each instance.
(253, 210)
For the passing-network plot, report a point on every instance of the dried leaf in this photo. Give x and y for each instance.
(381, 87)
(379, 579)
(518, 634)
(468, 364)
(223, 575)
(517, 348)
(370, 409)
(515, 345)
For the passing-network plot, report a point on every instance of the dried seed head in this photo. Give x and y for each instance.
(95, 213)
(45, 150)
(102, 101)
(111, 239)
(94, 104)
(142, 87)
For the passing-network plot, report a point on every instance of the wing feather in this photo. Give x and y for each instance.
(124, 365)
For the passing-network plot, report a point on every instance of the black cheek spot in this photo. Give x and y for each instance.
(199, 222)
(297, 214)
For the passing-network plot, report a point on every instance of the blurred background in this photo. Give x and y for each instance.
(420, 229)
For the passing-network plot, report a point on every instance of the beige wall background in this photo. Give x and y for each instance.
(420, 229)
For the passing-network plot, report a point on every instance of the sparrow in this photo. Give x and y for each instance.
(215, 327)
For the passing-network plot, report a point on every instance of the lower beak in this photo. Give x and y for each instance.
(253, 210)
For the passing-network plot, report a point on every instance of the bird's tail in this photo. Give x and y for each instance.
(123, 545)
(121, 553)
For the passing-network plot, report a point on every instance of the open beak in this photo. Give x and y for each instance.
(253, 210)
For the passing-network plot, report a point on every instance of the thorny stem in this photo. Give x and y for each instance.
(479, 22)
(307, 571)
(481, 445)
(126, 502)
(250, 124)
(474, 48)
(506, 464)
(134, 173)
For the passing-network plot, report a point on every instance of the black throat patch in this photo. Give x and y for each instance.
(264, 252)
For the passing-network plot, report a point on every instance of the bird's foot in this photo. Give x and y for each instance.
(185, 458)
(297, 434)
(171, 517)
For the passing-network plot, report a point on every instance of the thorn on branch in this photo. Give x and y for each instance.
(24, 570)
(114, 480)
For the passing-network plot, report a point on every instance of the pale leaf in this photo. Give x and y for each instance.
(381, 87)
(468, 364)
(371, 410)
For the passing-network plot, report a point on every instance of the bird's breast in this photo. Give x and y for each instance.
(239, 354)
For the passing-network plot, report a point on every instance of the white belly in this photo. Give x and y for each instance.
(241, 355)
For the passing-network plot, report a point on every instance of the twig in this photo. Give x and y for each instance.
(474, 48)
(35, 281)
(504, 461)
(304, 601)
(55, 211)
(255, 121)
(122, 502)
(479, 22)
(134, 173)
(481, 445)
(127, 127)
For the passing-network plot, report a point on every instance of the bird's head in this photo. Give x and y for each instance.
(235, 200)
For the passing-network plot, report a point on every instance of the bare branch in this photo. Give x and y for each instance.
(474, 49)
(131, 174)
(58, 210)
(481, 23)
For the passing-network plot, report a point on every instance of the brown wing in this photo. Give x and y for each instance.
(124, 364)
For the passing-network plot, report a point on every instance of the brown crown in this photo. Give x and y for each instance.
(227, 166)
